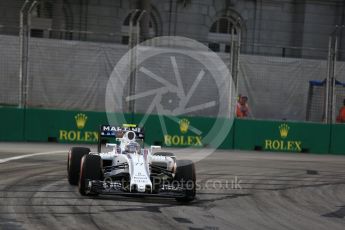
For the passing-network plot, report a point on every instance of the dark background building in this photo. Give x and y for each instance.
(277, 24)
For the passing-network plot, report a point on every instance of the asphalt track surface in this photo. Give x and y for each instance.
(236, 190)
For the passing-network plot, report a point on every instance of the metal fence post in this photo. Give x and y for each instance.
(333, 89)
(331, 80)
(131, 61)
(329, 72)
(235, 50)
(133, 55)
(21, 53)
(130, 33)
(231, 48)
(138, 27)
(27, 76)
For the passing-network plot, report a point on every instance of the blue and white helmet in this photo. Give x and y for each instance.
(132, 147)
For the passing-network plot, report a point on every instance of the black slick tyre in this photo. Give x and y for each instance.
(73, 163)
(186, 178)
(90, 169)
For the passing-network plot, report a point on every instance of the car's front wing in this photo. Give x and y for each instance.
(101, 187)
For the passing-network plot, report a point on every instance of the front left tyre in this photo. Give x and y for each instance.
(73, 163)
(186, 178)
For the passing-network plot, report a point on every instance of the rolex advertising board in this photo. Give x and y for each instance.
(186, 131)
(79, 133)
(81, 127)
(282, 142)
(282, 136)
(183, 136)
(63, 126)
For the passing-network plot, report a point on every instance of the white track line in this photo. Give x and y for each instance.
(29, 155)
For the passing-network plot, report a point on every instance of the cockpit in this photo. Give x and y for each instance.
(132, 147)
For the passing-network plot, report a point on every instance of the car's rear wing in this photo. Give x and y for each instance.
(110, 131)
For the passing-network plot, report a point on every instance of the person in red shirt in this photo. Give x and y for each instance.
(341, 116)
(242, 107)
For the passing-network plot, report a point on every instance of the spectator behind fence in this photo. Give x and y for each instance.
(341, 116)
(242, 108)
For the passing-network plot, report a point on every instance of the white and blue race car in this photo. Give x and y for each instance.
(130, 168)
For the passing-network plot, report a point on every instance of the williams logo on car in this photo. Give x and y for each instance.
(183, 139)
(78, 134)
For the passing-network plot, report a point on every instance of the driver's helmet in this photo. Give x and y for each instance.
(132, 147)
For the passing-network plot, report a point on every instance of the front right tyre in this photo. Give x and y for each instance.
(90, 169)
(73, 163)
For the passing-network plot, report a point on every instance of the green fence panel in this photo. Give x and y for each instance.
(63, 126)
(244, 138)
(338, 139)
(153, 132)
(228, 133)
(82, 127)
(282, 136)
(187, 131)
(11, 124)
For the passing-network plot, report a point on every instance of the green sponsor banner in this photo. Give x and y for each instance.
(338, 139)
(185, 131)
(82, 127)
(63, 126)
(11, 124)
(281, 136)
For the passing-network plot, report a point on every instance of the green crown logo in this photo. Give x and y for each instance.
(284, 130)
(80, 120)
(184, 125)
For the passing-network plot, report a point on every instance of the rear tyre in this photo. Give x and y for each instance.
(185, 177)
(73, 163)
(90, 169)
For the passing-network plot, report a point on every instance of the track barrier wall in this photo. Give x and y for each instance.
(337, 139)
(282, 136)
(42, 125)
(81, 127)
(11, 124)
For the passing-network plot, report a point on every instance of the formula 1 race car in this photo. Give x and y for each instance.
(129, 168)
